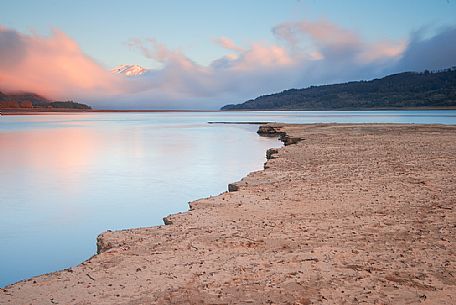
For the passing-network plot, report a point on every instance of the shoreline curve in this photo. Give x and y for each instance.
(350, 213)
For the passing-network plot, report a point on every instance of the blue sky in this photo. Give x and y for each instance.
(103, 28)
(204, 54)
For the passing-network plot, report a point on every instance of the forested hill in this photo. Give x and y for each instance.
(24, 101)
(408, 89)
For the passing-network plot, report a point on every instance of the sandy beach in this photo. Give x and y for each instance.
(343, 214)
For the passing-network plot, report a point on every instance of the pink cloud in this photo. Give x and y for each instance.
(322, 33)
(54, 66)
(157, 51)
(305, 53)
(260, 55)
(228, 44)
(383, 50)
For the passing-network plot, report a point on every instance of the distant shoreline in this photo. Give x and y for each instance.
(351, 109)
(58, 111)
(62, 110)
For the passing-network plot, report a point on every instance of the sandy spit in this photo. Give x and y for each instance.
(348, 214)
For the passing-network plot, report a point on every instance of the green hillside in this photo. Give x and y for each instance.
(403, 90)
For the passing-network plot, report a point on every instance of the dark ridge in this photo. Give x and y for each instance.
(404, 90)
(24, 101)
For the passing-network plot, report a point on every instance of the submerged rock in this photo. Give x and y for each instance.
(268, 131)
(233, 187)
(167, 221)
(270, 152)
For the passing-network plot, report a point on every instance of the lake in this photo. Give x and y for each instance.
(65, 178)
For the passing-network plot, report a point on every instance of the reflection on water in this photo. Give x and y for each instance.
(66, 178)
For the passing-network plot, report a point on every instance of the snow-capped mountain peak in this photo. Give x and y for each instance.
(129, 70)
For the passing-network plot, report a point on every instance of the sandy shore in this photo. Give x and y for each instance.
(348, 214)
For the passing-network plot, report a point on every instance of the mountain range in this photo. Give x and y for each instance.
(404, 90)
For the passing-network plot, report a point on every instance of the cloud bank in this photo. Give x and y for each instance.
(53, 66)
(304, 53)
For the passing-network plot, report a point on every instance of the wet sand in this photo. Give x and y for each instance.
(345, 214)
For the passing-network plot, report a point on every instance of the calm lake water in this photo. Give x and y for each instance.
(65, 178)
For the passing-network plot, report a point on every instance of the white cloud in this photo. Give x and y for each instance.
(306, 53)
